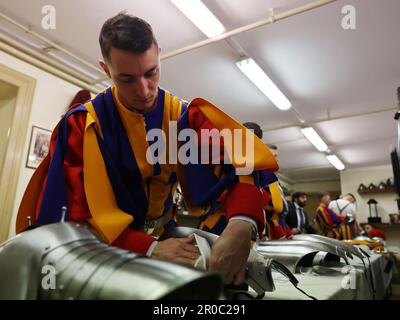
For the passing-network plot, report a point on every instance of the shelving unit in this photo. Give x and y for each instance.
(377, 191)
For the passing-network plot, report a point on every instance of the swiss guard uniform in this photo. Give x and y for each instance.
(97, 168)
(275, 207)
(329, 222)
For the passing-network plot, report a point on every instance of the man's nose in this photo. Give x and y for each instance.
(143, 89)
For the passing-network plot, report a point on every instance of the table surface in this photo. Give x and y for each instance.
(340, 282)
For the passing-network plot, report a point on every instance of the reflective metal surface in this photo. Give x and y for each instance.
(295, 254)
(259, 266)
(88, 268)
(350, 251)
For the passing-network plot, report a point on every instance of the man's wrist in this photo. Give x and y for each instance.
(150, 250)
(242, 226)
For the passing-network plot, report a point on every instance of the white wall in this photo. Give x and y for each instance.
(317, 186)
(352, 178)
(52, 96)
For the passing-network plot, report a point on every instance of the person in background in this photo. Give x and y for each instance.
(276, 207)
(297, 219)
(328, 221)
(345, 208)
(274, 151)
(372, 232)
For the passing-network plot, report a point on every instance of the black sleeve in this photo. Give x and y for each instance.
(291, 218)
(308, 228)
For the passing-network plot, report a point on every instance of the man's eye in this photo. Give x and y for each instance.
(151, 74)
(127, 80)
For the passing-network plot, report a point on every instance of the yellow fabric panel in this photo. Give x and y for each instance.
(107, 219)
(160, 186)
(263, 158)
(212, 220)
(276, 195)
(134, 125)
(95, 121)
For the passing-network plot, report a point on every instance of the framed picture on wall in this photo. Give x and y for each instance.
(39, 146)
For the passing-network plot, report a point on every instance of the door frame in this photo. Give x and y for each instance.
(14, 157)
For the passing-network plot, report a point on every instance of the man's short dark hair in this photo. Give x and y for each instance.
(323, 194)
(272, 146)
(125, 32)
(297, 195)
(254, 126)
(351, 195)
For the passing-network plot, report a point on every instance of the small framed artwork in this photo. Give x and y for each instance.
(39, 146)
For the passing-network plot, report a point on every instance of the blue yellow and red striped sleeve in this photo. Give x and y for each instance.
(78, 208)
(243, 198)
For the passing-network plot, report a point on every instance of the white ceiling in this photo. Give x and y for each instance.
(325, 71)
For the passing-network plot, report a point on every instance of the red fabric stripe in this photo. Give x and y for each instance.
(198, 121)
(276, 233)
(73, 168)
(132, 240)
(245, 199)
(266, 197)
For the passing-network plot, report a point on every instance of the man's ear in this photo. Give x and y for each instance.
(104, 66)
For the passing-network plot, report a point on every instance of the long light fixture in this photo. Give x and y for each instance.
(260, 79)
(314, 138)
(201, 16)
(335, 161)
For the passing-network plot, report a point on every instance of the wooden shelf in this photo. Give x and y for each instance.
(381, 225)
(377, 191)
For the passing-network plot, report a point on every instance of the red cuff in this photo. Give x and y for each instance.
(276, 233)
(245, 199)
(266, 197)
(132, 240)
(289, 234)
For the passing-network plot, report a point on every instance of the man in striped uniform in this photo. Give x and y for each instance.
(329, 222)
(98, 167)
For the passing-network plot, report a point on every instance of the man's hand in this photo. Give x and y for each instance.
(177, 250)
(231, 250)
(295, 231)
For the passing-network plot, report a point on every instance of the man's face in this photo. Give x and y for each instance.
(302, 201)
(136, 76)
(350, 198)
(368, 227)
(274, 153)
(326, 200)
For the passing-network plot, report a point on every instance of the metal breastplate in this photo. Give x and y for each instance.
(87, 268)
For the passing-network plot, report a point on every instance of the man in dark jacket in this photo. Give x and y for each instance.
(297, 219)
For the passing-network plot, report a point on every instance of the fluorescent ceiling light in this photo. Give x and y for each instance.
(257, 75)
(335, 161)
(314, 138)
(201, 16)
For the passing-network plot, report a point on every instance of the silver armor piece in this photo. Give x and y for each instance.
(349, 250)
(259, 268)
(295, 254)
(88, 268)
